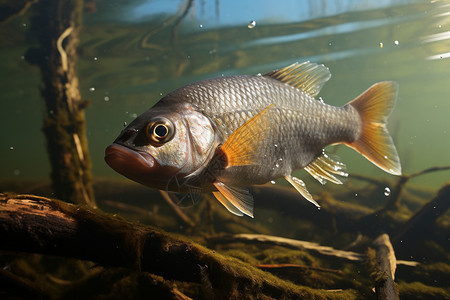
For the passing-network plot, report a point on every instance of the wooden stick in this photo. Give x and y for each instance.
(294, 266)
(384, 272)
(182, 217)
(288, 243)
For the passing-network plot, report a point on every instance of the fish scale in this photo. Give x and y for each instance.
(227, 133)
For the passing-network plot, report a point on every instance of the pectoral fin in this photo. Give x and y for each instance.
(237, 200)
(243, 146)
(301, 188)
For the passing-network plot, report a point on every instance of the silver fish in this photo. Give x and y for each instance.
(225, 134)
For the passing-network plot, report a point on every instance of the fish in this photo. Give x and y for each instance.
(225, 134)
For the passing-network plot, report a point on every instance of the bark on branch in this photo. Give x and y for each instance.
(36, 224)
(56, 24)
(384, 269)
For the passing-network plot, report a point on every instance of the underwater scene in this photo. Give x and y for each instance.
(298, 149)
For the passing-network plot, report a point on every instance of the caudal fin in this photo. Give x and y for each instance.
(374, 142)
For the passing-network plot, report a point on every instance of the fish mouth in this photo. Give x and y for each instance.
(118, 155)
(139, 166)
(133, 164)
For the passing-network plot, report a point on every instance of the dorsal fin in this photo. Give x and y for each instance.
(308, 77)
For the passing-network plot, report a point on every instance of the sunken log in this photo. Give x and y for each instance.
(56, 24)
(37, 224)
(383, 268)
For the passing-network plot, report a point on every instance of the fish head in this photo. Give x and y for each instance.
(162, 146)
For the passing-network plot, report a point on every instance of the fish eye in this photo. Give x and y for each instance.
(159, 131)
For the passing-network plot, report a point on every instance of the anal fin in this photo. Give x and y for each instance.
(301, 188)
(324, 168)
(237, 200)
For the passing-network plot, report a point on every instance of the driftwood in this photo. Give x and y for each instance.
(296, 244)
(424, 220)
(56, 25)
(288, 243)
(395, 197)
(181, 216)
(384, 269)
(40, 225)
(294, 266)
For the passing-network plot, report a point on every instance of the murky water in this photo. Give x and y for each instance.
(132, 54)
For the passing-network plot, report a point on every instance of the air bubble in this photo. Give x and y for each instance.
(396, 42)
(201, 25)
(380, 45)
(106, 98)
(95, 58)
(11, 148)
(387, 191)
(92, 89)
(125, 124)
(272, 181)
(252, 24)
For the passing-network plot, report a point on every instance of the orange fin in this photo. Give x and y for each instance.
(237, 200)
(324, 169)
(301, 188)
(374, 142)
(308, 77)
(243, 146)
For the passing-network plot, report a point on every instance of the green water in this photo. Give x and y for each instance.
(128, 61)
(132, 53)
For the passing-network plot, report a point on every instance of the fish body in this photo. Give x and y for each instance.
(225, 134)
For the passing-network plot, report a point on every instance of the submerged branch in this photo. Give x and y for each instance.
(294, 266)
(424, 220)
(295, 244)
(181, 216)
(396, 195)
(383, 268)
(40, 225)
(288, 243)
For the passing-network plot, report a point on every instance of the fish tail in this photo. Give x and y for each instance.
(374, 141)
